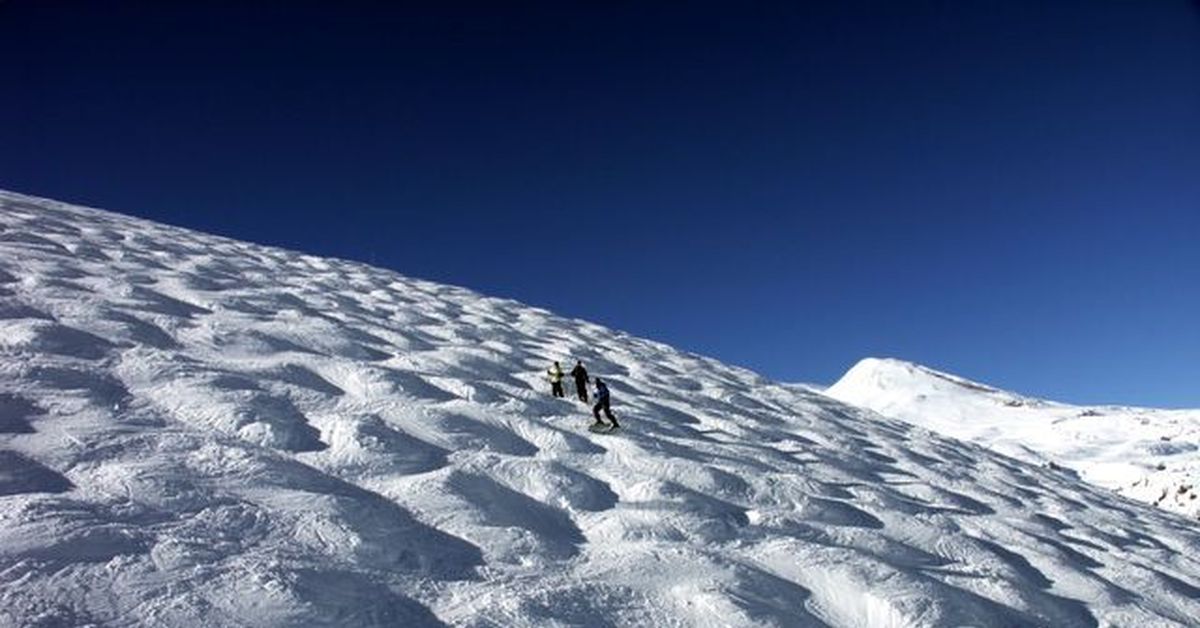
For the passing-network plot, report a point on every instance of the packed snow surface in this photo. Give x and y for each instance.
(199, 431)
(1148, 454)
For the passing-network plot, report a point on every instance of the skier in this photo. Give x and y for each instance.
(602, 404)
(581, 381)
(556, 376)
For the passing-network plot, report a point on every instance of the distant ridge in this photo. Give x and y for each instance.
(1151, 455)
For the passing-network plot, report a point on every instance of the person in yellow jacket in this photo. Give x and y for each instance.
(556, 376)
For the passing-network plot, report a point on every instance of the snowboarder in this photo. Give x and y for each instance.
(581, 381)
(556, 375)
(602, 404)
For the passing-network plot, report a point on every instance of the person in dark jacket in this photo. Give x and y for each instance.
(581, 381)
(602, 404)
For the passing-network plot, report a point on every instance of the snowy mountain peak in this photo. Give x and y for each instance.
(881, 375)
(1151, 455)
(199, 431)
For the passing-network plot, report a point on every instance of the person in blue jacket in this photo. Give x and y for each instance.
(602, 404)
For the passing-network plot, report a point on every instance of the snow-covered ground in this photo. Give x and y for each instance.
(198, 431)
(1151, 455)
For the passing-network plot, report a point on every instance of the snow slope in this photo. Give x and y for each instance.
(198, 431)
(1151, 455)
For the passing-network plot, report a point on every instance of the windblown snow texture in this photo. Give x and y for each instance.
(1150, 455)
(198, 431)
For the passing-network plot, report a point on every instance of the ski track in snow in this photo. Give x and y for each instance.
(199, 431)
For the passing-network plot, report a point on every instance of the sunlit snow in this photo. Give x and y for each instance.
(203, 432)
(1151, 455)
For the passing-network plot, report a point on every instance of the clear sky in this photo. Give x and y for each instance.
(1007, 189)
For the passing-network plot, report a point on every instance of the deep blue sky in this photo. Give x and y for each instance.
(1007, 189)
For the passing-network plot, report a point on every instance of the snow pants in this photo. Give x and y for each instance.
(603, 405)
